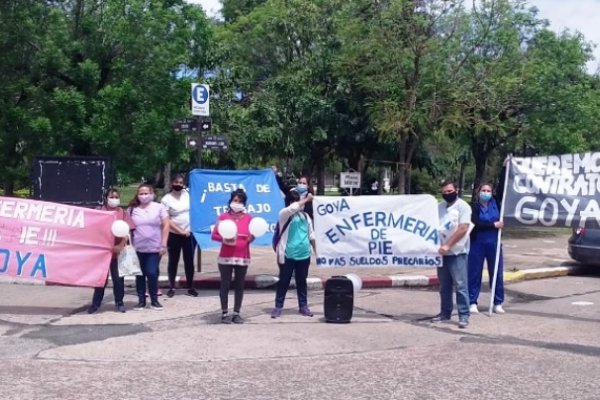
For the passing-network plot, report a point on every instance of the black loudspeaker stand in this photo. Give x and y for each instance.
(339, 299)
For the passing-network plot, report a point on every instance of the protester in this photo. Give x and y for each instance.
(484, 242)
(455, 217)
(112, 202)
(294, 251)
(303, 187)
(234, 257)
(181, 239)
(150, 242)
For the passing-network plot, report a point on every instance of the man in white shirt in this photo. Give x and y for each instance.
(455, 218)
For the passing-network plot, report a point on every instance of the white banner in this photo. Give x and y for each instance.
(377, 231)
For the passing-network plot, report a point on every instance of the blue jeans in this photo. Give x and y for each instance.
(118, 286)
(299, 268)
(484, 251)
(149, 265)
(453, 274)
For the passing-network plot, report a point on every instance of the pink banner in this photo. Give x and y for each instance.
(53, 242)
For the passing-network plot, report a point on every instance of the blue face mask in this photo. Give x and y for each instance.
(301, 188)
(485, 196)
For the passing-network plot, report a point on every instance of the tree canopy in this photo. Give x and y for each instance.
(434, 88)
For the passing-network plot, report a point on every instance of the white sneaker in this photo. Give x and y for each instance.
(473, 309)
(498, 309)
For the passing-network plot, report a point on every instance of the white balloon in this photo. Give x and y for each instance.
(120, 228)
(258, 226)
(356, 282)
(227, 229)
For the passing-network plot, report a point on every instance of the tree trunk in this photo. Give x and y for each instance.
(461, 177)
(167, 169)
(480, 163)
(9, 187)
(402, 167)
(320, 179)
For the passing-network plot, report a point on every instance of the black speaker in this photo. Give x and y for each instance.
(339, 299)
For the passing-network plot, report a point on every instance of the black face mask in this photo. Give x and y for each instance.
(177, 188)
(450, 197)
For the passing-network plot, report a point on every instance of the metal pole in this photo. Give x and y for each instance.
(199, 162)
(200, 140)
(499, 242)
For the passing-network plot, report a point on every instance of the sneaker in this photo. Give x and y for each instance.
(473, 309)
(276, 313)
(236, 319)
(498, 309)
(159, 292)
(463, 323)
(155, 305)
(440, 318)
(92, 309)
(225, 318)
(139, 306)
(305, 311)
(192, 292)
(171, 293)
(120, 308)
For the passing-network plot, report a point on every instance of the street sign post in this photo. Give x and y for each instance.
(215, 142)
(186, 125)
(200, 99)
(205, 124)
(193, 142)
(350, 180)
(193, 125)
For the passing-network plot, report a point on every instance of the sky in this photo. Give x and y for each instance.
(575, 15)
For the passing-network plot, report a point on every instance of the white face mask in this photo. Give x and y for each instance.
(145, 198)
(237, 207)
(113, 203)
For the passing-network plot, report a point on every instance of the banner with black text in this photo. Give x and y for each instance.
(561, 190)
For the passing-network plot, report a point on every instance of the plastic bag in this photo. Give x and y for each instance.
(128, 261)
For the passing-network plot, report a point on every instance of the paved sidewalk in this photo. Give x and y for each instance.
(531, 258)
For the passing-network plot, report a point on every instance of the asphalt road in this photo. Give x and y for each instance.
(546, 346)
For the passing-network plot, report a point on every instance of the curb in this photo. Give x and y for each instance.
(368, 282)
(316, 283)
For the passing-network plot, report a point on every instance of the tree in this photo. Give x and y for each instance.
(233, 9)
(107, 78)
(397, 51)
(510, 86)
(279, 58)
(21, 121)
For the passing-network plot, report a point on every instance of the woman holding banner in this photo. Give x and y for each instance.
(234, 257)
(150, 242)
(181, 239)
(293, 251)
(484, 243)
(112, 202)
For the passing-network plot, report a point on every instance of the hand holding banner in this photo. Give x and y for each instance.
(55, 242)
(210, 191)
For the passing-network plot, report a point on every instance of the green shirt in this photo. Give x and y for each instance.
(298, 243)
